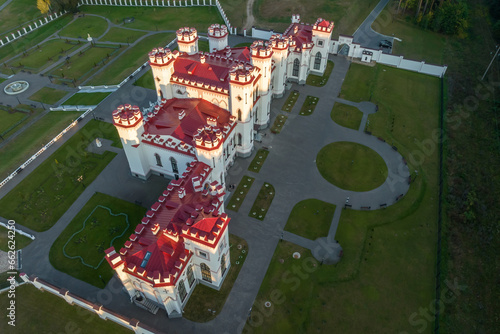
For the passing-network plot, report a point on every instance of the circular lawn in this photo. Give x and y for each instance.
(351, 166)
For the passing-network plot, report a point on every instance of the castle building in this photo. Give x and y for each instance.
(210, 106)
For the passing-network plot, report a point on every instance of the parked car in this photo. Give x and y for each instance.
(385, 43)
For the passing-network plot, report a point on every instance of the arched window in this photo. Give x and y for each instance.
(296, 65)
(174, 165)
(158, 160)
(182, 290)
(223, 266)
(239, 139)
(190, 276)
(239, 115)
(317, 61)
(206, 275)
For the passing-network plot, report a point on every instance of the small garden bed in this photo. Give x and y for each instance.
(48, 95)
(278, 124)
(262, 202)
(309, 105)
(290, 101)
(320, 81)
(346, 116)
(258, 161)
(239, 194)
(86, 99)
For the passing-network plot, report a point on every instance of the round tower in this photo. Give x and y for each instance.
(129, 123)
(280, 45)
(187, 40)
(261, 55)
(241, 78)
(321, 38)
(217, 37)
(162, 64)
(209, 143)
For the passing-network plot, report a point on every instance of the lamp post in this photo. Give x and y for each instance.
(491, 62)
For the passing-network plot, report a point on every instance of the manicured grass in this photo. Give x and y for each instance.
(399, 242)
(310, 218)
(130, 60)
(258, 161)
(309, 105)
(30, 141)
(120, 35)
(10, 117)
(48, 95)
(351, 166)
(20, 240)
(2, 80)
(45, 194)
(417, 43)
(239, 194)
(235, 11)
(35, 314)
(242, 44)
(43, 55)
(320, 81)
(82, 26)
(290, 101)
(31, 39)
(146, 81)
(86, 99)
(346, 116)
(17, 13)
(155, 19)
(203, 46)
(278, 124)
(262, 202)
(101, 228)
(81, 66)
(359, 84)
(347, 16)
(205, 298)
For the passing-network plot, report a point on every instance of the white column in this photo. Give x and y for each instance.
(46, 19)
(13, 36)
(8, 40)
(1, 42)
(36, 25)
(29, 26)
(19, 33)
(25, 30)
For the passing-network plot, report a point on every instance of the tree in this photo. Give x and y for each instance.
(43, 6)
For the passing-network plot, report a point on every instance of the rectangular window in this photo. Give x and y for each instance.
(203, 254)
(320, 43)
(182, 290)
(190, 276)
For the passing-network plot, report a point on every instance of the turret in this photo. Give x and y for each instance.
(295, 18)
(187, 40)
(280, 45)
(321, 39)
(162, 65)
(261, 53)
(217, 37)
(209, 144)
(129, 123)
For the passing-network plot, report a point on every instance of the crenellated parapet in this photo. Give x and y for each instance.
(261, 49)
(241, 73)
(323, 25)
(161, 56)
(127, 116)
(186, 35)
(217, 31)
(279, 42)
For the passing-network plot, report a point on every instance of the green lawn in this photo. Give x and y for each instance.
(205, 298)
(417, 43)
(290, 101)
(86, 99)
(235, 11)
(242, 44)
(31, 39)
(130, 60)
(35, 314)
(388, 269)
(45, 194)
(346, 116)
(82, 26)
(278, 124)
(81, 66)
(310, 218)
(320, 81)
(203, 46)
(262, 202)
(258, 161)
(239, 194)
(10, 117)
(48, 95)
(101, 228)
(16, 14)
(156, 19)
(309, 105)
(146, 81)
(347, 15)
(120, 35)
(20, 241)
(40, 133)
(43, 55)
(351, 166)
